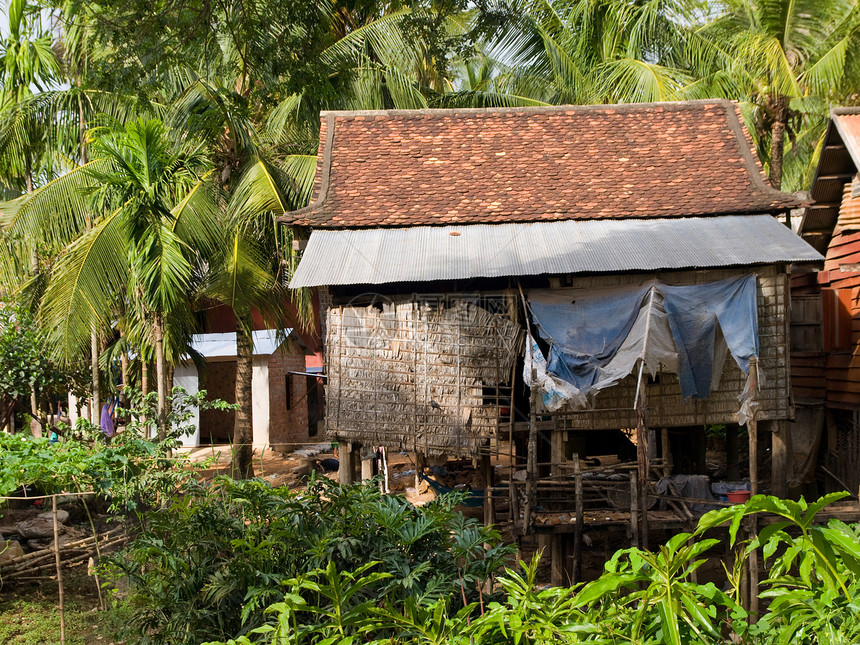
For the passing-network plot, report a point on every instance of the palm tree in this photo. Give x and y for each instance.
(265, 159)
(154, 222)
(602, 51)
(27, 62)
(792, 59)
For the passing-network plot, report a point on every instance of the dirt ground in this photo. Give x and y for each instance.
(289, 469)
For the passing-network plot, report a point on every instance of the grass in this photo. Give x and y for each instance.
(29, 615)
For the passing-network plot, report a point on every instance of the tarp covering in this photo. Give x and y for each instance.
(596, 337)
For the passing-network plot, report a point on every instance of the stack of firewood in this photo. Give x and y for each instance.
(41, 564)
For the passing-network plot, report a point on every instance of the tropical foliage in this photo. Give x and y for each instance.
(96, 93)
(210, 563)
(642, 597)
(131, 473)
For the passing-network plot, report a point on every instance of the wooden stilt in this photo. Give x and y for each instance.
(419, 469)
(487, 479)
(634, 508)
(531, 457)
(752, 427)
(580, 519)
(779, 451)
(642, 477)
(557, 453)
(346, 472)
(666, 452)
(557, 559)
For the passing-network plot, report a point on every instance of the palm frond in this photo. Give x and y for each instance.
(82, 292)
(56, 213)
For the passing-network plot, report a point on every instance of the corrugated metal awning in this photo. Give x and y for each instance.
(424, 253)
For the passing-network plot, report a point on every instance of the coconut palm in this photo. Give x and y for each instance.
(265, 159)
(792, 59)
(604, 51)
(153, 222)
(27, 62)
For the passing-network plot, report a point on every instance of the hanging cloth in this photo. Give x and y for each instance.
(597, 336)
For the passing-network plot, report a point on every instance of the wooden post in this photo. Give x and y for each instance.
(59, 570)
(346, 472)
(557, 452)
(556, 559)
(487, 478)
(419, 469)
(580, 519)
(531, 457)
(642, 476)
(531, 461)
(666, 451)
(634, 508)
(752, 427)
(779, 451)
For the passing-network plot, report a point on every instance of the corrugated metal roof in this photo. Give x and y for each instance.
(376, 256)
(224, 345)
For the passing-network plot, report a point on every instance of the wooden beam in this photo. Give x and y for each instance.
(580, 519)
(779, 457)
(346, 472)
(556, 545)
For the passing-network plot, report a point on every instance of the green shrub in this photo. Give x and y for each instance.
(207, 566)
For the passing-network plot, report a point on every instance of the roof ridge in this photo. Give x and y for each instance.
(530, 109)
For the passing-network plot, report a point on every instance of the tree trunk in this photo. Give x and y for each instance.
(777, 139)
(243, 451)
(28, 175)
(144, 387)
(95, 397)
(160, 377)
(123, 393)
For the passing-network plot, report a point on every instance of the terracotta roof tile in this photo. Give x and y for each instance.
(427, 167)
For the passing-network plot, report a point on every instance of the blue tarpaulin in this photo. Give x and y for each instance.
(694, 313)
(587, 329)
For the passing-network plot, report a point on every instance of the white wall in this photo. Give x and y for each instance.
(260, 401)
(185, 376)
(73, 410)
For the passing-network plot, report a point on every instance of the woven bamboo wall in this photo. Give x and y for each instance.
(664, 404)
(428, 376)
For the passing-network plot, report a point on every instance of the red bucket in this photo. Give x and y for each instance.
(738, 496)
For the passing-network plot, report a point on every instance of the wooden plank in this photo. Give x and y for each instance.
(843, 398)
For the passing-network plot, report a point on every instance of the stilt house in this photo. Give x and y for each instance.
(563, 277)
(825, 332)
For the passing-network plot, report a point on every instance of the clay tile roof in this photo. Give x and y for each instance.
(442, 167)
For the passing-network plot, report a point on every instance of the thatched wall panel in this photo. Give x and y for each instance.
(415, 376)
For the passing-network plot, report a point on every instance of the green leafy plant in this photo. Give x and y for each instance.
(210, 563)
(814, 570)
